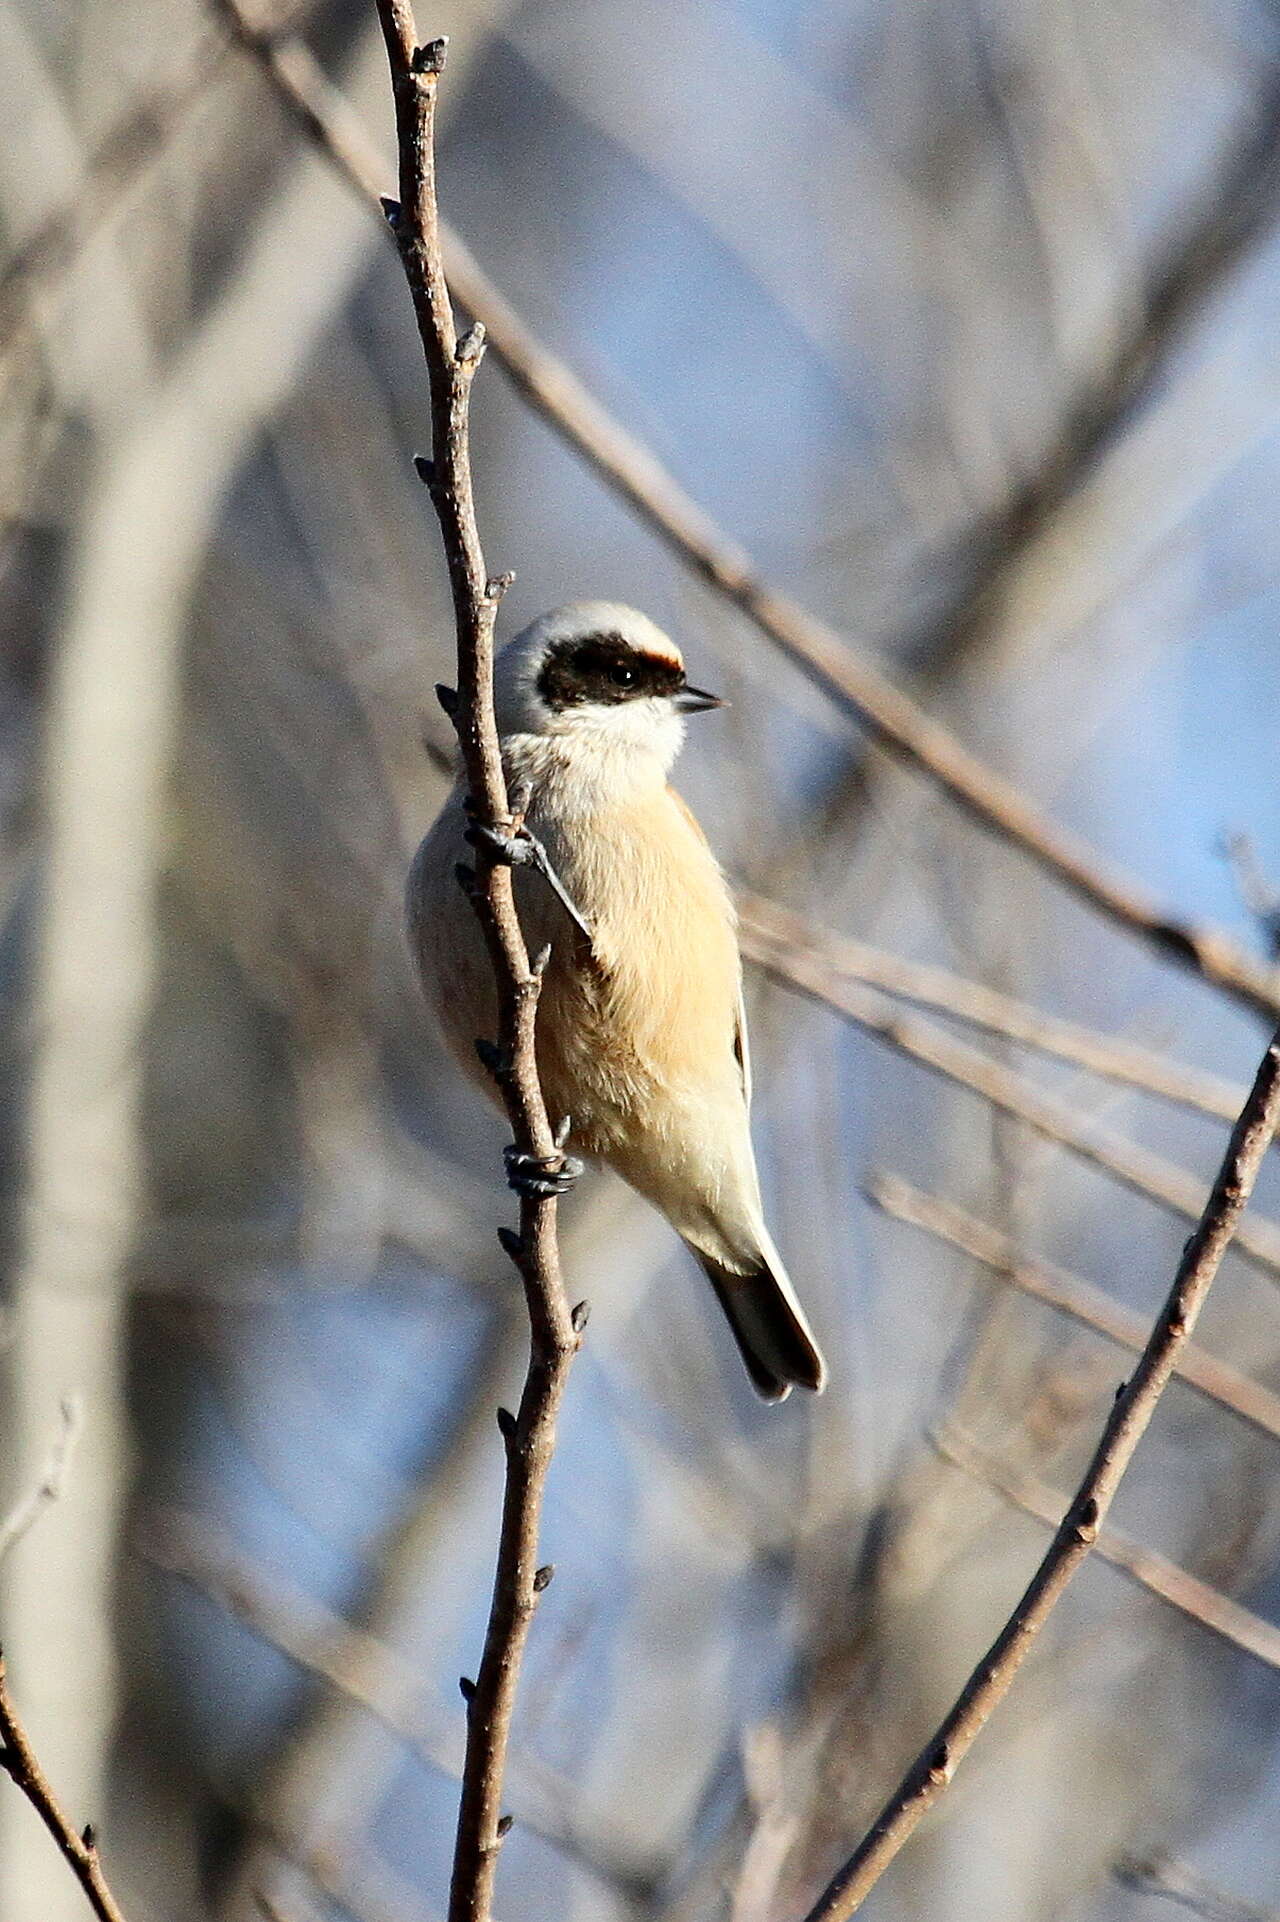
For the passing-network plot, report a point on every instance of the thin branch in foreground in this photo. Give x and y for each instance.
(937, 1762)
(766, 928)
(79, 1851)
(1071, 1295)
(554, 1330)
(810, 972)
(1179, 1882)
(27, 1511)
(1200, 1601)
(850, 681)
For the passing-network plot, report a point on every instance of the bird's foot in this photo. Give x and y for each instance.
(519, 847)
(513, 847)
(540, 1177)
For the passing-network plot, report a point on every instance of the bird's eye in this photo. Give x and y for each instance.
(621, 675)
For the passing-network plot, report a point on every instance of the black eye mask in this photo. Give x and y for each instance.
(602, 668)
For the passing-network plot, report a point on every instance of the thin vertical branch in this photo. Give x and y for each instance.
(79, 1851)
(554, 1330)
(937, 1762)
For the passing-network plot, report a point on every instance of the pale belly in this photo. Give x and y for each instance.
(635, 1032)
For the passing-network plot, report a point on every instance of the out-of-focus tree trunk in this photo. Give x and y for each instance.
(155, 490)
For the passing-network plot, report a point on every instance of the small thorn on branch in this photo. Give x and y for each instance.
(497, 584)
(1087, 1520)
(470, 346)
(448, 698)
(89, 1836)
(542, 1577)
(511, 1244)
(391, 209)
(504, 1826)
(425, 468)
(506, 1424)
(467, 1689)
(581, 1316)
(538, 966)
(430, 58)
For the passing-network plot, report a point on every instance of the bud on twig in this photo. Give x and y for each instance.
(430, 58)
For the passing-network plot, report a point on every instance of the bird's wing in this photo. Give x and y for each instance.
(741, 1046)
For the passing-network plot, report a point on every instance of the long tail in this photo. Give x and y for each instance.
(769, 1326)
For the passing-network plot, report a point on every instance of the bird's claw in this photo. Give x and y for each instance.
(540, 1177)
(519, 847)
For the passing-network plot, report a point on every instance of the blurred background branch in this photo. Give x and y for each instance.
(964, 324)
(1076, 1532)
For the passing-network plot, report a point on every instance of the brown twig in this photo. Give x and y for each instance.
(811, 972)
(1165, 1579)
(934, 1767)
(767, 929)
(555, 1330)
(853, 683)
(1070, 1295)
(80, 1852)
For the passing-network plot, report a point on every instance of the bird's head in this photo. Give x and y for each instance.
(600, 680)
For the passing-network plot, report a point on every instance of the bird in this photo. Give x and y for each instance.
(640, 1037)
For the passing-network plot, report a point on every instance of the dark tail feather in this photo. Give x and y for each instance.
(769, 1327)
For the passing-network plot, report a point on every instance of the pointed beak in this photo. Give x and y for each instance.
(695, 700)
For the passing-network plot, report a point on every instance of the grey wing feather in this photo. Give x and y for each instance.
(741, 1047)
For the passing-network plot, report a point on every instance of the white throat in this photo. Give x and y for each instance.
(592, 758)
